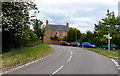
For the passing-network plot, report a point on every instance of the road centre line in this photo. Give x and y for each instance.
(71, 52)
(57, 70)
(62, 65)
(69, 59)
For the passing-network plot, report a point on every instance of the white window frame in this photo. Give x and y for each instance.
(63, 34)
(57, 33)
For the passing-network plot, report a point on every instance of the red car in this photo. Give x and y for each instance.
(64, 43)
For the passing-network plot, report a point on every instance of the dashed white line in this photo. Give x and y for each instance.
(69, 59)
(71, 52)
(57, 70)
(113, 60)
(116, 63)
(62, 65)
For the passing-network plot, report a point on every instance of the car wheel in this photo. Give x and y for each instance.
(104, 48)
(113, 48)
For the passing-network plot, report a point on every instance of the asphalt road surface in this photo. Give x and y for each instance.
(70, 60)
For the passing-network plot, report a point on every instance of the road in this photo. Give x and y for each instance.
(70, 60)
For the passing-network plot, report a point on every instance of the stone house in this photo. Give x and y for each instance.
(52, 30)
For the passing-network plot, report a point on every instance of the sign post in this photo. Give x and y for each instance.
(109, 42)
(108, 36)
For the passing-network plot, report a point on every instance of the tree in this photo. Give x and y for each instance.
(54, 38)
(83, 38)
(39, 29)
(73, 35)
(88, 37)
(109, 24)
(15, 16)
(15, 23)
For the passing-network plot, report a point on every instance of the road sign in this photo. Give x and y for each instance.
(107, 36)
(110, 37)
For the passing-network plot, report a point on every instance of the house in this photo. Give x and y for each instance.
(52, 30)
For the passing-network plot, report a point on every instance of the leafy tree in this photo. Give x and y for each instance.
(15, 16)
(73, 35)
(83, 38)
(109, 24)
(54, 38)
(15, 23)
(39, 29)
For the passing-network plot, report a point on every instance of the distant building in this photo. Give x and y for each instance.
(52, 30)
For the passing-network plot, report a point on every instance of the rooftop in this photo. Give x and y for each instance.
(58, 27)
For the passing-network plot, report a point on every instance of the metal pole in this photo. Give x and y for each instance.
(109, 42)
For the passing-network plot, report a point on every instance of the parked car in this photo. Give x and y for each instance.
(87, 44)
(112, 47)
(64, 43)
(77, 44)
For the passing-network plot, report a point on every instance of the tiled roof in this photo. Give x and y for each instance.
(58, 27)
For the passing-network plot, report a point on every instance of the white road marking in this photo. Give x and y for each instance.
(62, 65)
(57, 70)
(113, 60)
(116, 63)
(69, 59)
(119, 68)
(71, 52)
(70, 55)
(25, 64)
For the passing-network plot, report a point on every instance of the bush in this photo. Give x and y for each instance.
(116, 40)
(33, 36)
(54, 38)
(29, 38)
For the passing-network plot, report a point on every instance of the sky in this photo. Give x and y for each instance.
(80, 14)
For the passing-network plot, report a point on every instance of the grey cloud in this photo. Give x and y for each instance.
(60, 13)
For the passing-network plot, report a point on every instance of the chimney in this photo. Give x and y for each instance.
(47, 22)
(67, 24)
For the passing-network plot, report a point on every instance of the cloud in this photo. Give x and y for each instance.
(81, 14)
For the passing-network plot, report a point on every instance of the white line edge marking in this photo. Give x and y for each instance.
(25, 65)
(116, 63)
(57, 70)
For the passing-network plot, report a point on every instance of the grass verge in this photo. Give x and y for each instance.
(24, 56)
(106, 52)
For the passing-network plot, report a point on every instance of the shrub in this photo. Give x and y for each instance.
(54, 38)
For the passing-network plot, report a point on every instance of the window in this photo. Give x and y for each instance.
(63, 34)
(57, 33)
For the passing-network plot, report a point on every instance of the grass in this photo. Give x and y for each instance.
(106, 52)
(24, 56)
